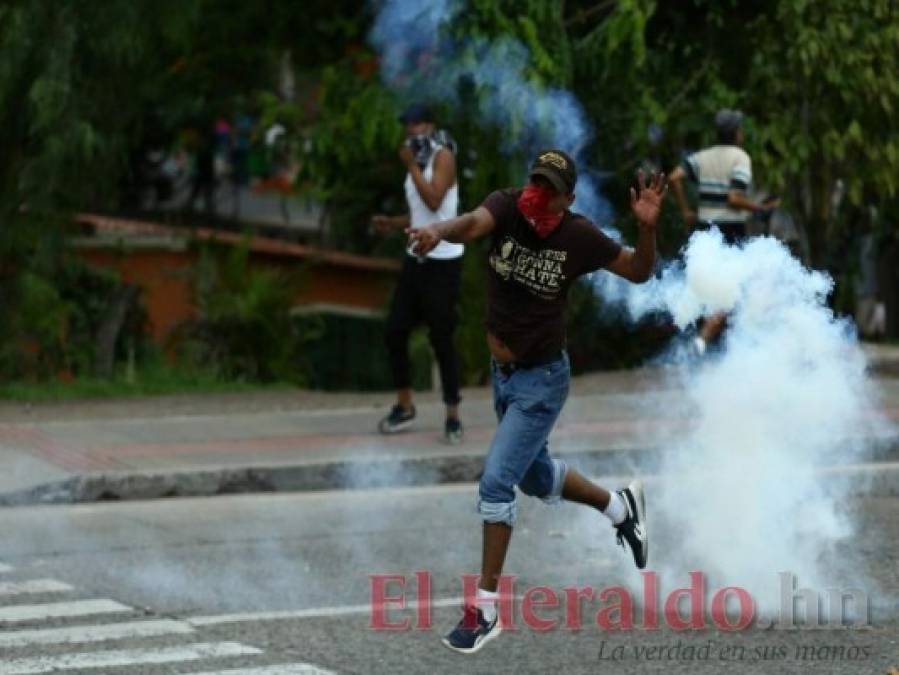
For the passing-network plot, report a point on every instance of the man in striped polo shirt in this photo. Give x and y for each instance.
(723, 174)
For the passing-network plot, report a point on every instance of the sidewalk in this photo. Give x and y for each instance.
(295, 440)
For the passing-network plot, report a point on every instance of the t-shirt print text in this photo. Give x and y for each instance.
(539, 271)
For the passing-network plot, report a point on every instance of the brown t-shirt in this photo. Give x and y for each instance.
(528, 277)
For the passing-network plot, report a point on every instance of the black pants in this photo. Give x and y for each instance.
(427, 292)
(733, 233)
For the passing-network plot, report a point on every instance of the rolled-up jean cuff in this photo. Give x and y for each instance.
(498, 512)
(560, 469)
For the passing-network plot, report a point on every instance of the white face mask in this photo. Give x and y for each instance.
(425, 145)
(422, 148)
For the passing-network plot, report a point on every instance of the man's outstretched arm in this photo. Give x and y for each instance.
(636, 264)
(467, 227)
(737, 199)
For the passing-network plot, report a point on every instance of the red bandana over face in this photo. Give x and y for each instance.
(533, 204)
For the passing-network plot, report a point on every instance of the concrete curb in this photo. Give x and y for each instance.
(336, 475)
(881, 475)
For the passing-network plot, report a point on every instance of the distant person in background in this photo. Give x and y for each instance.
(281, 169)
(723, 174)
(222, 160)
(428, 288)
(870, 310)
(203, 180)
(242, 131)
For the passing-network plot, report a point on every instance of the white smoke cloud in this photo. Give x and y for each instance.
(786, 394)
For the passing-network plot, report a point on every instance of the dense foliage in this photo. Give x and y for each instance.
(87, 87)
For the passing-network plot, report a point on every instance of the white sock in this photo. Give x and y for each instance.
(486, 600)
(616, 511)
(700, 345)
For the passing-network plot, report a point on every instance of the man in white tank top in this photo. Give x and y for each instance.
(428, 287)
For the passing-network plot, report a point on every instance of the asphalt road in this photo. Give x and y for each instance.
(267, 584)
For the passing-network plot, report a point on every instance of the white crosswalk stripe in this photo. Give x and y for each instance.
(314, 613)
(81, 634)
(285, 669)
(95, 633)
(126, 657)
(33, 586)
(17, 613)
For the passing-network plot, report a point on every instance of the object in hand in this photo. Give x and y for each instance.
(422, 148)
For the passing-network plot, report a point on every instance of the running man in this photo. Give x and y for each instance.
(539, 247)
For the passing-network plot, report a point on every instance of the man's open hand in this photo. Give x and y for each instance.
(423, 240)
(646, 200)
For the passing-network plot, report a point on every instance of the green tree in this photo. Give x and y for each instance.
(86, 86)
(349, 161)
(817, 79)
(71, 96)
(827, 99)
(70, 104)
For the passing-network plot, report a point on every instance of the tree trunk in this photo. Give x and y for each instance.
(108, 334)
(888, 283)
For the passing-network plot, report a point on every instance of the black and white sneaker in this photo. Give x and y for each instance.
(399, 418)
(472, 632)
(633, 528)
(453, 431)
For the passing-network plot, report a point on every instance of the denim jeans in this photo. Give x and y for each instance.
(528, 402)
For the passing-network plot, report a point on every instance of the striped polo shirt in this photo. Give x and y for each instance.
(718, 170)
